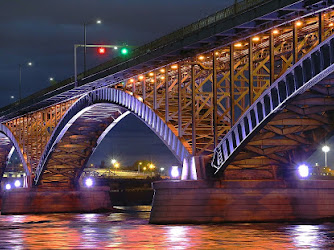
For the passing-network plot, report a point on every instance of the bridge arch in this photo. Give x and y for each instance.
(118, 103)
(309, 74)
(7, 145)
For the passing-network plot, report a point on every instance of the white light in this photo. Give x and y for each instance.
(162, 169)
(51, 79)
(98, 21)
(115, 47)
(325, 149)
(303, 171)
(29, 63)
(89, 182)
(11, 97)
(113, 161)
(17, 183)
(8, 186)
(175, 172)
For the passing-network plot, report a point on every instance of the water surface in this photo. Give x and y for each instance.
(129, 229)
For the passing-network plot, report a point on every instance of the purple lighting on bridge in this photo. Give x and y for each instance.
(89, 182)
(175, 172)
(303, 171)
(17, 183)
(8, 186)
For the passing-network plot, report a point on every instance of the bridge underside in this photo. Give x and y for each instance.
(72, 152)
(289, 138)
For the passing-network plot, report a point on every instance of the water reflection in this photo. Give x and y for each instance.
(131, 230)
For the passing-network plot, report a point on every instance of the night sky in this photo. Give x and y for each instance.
(44, 32)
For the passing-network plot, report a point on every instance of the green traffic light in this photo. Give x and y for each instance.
(124, 51)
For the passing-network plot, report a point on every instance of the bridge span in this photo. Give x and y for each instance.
(247, 89)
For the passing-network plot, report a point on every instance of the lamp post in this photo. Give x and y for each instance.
(139, 164)
(85, 40)
(20, 77)
(325, 149)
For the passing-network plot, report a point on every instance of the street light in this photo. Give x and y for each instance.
(325, 149)
(20, 74)
(139, 164)
(85, 39)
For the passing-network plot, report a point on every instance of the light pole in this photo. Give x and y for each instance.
(20, 77)
(325, 149)
(85, 40)
(139, 164)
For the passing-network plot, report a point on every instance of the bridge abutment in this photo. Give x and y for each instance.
(241, 201)
(30, 200)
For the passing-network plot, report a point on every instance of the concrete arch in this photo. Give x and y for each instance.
(127, 103)
(12, 144)
(302, 76)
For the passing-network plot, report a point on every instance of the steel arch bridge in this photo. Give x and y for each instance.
(249, 86)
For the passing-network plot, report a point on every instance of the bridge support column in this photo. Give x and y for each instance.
(242, 201)
(34, 200)
(194, 168)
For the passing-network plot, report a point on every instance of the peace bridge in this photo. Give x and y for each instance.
(241, 98)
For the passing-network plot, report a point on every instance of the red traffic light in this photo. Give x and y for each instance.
(101, 50)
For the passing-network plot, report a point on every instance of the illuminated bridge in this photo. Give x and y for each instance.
(248, 88)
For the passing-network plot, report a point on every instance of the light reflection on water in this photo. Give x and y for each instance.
(131, 230)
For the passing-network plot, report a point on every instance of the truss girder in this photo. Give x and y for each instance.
(286, 123)
(83, 127)
(33, 131)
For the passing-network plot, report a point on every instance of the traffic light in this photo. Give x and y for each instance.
(101, 50)
(124, 51)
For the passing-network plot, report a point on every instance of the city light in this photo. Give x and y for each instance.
(116, 165)
(17, 183)
(151, 166)
(141, 77)
(89, 182)
(132, 80)
(201, 58)
(175, 174)
(275, 31)
(330, 24)
(299, 23)
(113, 161)
(174, 66)
(151, 74)
(8, 186)
(124, 51)
(162, 70)
(101, 50)
(238, 45)
(325, 149)
(303, 171)
(256, 39)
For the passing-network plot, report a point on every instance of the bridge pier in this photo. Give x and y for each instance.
(34, 200)
(195, 168)
(242, 201)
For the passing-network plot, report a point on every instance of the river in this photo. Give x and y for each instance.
(129, 229)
